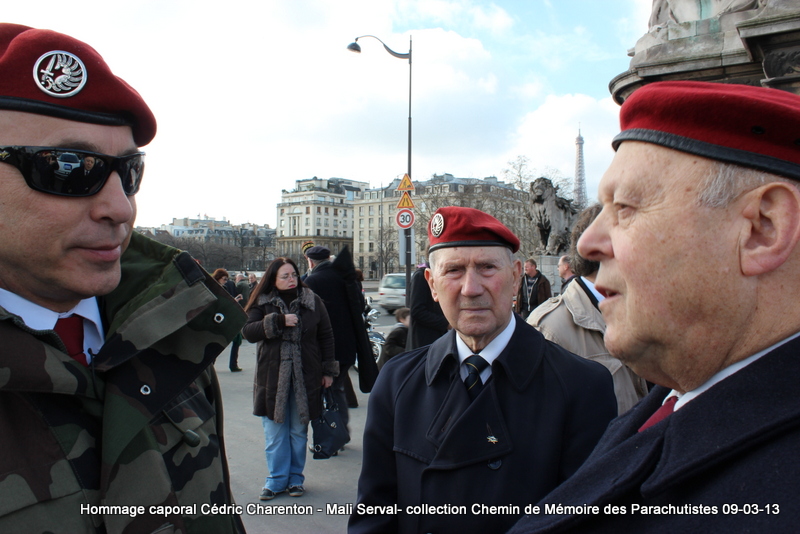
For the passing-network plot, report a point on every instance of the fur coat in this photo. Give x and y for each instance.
(298, 356)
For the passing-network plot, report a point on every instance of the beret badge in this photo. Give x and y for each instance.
(437, 225)
(60, 74)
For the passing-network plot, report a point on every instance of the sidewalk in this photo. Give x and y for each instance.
(328, 482)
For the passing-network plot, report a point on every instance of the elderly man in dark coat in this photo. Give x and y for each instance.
(704, 174)
(461, 435)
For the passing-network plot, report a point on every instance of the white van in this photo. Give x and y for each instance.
(392, 292)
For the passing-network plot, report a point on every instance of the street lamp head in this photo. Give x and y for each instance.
(354, 47)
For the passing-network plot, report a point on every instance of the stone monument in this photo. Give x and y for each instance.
(753, 42)
(552, 218)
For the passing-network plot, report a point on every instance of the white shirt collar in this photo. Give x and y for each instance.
(489, 353)
(40, 318)
(723, 374)
(590, 285)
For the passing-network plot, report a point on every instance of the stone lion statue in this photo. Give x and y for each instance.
(552, 218)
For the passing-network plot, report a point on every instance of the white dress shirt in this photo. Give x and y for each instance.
(723, 374)
(39, 318)
(489, 353)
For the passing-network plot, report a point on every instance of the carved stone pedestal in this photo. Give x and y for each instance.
(753, 42)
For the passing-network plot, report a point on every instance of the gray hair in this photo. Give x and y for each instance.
(726, 182)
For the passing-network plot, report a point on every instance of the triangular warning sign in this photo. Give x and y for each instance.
(405, 184)
(405, 201)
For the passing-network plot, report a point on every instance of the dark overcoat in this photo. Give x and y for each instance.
(737, 444)
(533, 424)
(428, 322)
(316, 349)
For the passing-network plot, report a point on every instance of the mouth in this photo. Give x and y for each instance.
(107, 252)
(605, 291)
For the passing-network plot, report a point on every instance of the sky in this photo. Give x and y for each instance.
(252, 95)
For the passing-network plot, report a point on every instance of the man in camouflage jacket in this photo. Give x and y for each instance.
(130, 438)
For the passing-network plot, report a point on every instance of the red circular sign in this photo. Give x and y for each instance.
(405, 218)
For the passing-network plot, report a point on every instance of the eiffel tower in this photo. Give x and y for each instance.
(579, 192)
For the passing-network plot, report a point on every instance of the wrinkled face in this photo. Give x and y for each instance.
(475, 287)
(55, 250)
(287, 277)
(668, 266)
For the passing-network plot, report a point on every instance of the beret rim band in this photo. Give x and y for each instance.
(470, 244)
(725, 154)
(12, 103)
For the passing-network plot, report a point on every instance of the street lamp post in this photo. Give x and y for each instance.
(355, 47)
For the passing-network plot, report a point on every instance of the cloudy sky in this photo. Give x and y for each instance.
(251, 95)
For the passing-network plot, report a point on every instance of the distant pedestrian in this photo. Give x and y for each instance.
(397, 338)
(223, 278)
(534, 289)
(295, 360)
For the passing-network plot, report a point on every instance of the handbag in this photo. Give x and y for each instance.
(330, 432)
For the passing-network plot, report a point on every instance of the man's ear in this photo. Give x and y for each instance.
(772, 214)
(429, 279)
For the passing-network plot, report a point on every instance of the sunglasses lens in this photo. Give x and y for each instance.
(76, 173)
(131, 170)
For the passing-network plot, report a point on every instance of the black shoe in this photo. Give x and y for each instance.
(296, 491)
(268, 494)
(236, 369)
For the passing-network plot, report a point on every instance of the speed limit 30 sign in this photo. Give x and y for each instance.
(405, 218)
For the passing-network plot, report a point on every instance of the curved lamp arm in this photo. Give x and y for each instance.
(355, 47)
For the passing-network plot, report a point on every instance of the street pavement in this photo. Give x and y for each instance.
(330, 482)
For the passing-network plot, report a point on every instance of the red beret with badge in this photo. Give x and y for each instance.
(754, 127)
(49, 73)
(455, 226)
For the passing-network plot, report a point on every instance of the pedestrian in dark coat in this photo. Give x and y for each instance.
(428, 323)
(335, 282)
(446, 450)
(295, 360)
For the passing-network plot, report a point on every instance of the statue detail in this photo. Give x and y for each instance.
(552, 218)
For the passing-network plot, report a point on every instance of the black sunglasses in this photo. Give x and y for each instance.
(72, 173)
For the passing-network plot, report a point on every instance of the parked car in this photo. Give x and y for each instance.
(66, 163)
(392, 292)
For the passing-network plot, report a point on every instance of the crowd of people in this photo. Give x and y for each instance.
(649, 396)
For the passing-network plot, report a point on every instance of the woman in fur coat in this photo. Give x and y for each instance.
(295, 361)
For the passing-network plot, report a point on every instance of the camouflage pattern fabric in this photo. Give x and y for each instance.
(140, 427)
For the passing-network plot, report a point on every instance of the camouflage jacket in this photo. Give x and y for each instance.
(121, 445)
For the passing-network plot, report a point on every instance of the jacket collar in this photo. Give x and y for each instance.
(519, 370)
(580, 306)
(305, 297)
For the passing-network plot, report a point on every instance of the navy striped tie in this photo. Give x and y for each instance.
(475, 365)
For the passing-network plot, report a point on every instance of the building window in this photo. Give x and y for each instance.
(319, 210)
(283, 211)
(335, 212)
(371, 246)
(326, 211)
(308, 210)
(361, 247)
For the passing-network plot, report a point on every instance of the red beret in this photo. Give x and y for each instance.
(52, 74)
(467, 227)
(749, 126)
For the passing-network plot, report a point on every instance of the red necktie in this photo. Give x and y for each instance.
(667, 408)
(70, 330)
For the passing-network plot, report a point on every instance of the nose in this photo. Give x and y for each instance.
(111, 203)
(472, 285)
(595, 243)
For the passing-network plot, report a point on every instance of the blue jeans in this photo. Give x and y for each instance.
(285, 448)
